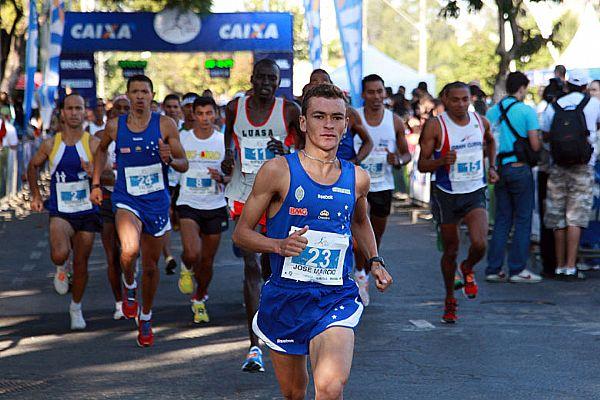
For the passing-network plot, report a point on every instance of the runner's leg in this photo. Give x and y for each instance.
(129, 229)
(60, 240)
(151, 249)
(331, 358)
(204, 270)
(476, 221)
(291, 373)
(450, 239)
(82, 248)
(252, 278)
(111, 248)
(192, 246)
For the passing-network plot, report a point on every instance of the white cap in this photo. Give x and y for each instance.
(578, 77)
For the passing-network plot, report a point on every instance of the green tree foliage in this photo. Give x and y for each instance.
(511, 18)
(197, 6)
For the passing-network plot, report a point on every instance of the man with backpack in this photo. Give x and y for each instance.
(517, 130)
(570, 127)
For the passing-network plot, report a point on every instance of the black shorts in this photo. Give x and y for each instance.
(450, 208)
(174, 193)
(82, 223)
(380, 202)
(106, 211)
(211, 222)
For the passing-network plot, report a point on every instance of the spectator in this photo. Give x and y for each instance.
(478, 99)
(560, 73)
(154, 106)
(569, 199)
(512, 119)
(594, 89)
(400, 105)
(99, 121)
(8, 133)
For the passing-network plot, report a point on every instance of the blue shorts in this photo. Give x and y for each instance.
(155, 224)
(288, 318)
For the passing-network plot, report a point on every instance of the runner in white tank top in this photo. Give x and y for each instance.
(201, 204)
(452, 147)
(261, 126)
(389, 150)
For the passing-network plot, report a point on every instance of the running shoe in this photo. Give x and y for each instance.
(458, 282)
(199, 310)
(61, 281)
(525, 276)
(254, 362)
(118, 314)
(186, 281)
(171, 265)
(77, 321)
(145, 336)
(499, 277)
(130, 303)
(449, 317)
(363, 288)
(470, 288)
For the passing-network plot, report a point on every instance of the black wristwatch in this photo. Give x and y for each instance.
(378, 259)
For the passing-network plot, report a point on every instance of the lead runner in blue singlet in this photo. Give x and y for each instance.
(146, 145)
(315, 204)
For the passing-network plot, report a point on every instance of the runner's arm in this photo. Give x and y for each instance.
(230, 111)
(38, 159)
(356, 126)
(362, 231)
(266, 187)
(428, 141)
(402, 153)
(108, 177)
(292, 116)
(100, 156)
(178, 159)
(490, 142)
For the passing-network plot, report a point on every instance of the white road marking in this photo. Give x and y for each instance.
(28, 267)
(35, 255)
(421, 324)
(42, 243)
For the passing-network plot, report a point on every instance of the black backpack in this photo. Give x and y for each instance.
(568, 135)
(521, 147)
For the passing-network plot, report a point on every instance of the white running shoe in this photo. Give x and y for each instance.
(363, 288)
(77, 321)
(118, 314)
(61, 281)
(525, 276)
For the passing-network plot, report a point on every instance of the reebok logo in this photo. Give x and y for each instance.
(325, 196)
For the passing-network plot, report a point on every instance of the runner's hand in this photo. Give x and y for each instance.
(227, 163)
(493, 175)
(449, 158)
(382, 278)
(293, 245)
(37, 204)
(87, 167)
(165, 151)
(277, 147)
(392, 158)
(215, 175)
(96, 196)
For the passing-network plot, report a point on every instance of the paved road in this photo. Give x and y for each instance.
(517, 342)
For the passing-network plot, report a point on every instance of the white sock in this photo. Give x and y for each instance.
(60, 268)
(169, 258)
(183, 266)
(128, 286)
(75, 306)
(118, 305)
(146, 317)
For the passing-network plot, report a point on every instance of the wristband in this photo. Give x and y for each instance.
(171, 159)
(96, 186)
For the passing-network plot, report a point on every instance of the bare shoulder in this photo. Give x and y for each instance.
(363, 180)
(232, 105)
(47, 145)
(167, 122)
(485, 122)
(291, 106)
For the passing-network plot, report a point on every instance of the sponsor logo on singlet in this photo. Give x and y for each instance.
(285, 340)
(302, 212)
(324, 196)
(299, 193)
(257, 132)
(341, 190)
(324, 214)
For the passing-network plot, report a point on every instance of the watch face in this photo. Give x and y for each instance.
(177, 27)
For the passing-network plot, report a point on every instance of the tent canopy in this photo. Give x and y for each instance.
(584, 50)
(393, 73)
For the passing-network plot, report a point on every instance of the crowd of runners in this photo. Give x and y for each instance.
(309, 188)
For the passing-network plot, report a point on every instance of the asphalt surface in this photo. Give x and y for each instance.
(512, 342)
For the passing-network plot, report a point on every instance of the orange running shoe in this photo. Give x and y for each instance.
(130, 303)
(470, 286)
(145, 336)
(449, 317)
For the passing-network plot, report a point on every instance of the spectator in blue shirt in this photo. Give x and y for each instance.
(515, 190)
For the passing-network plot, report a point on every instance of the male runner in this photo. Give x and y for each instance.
(315, 204)
(389, 150)
(172, 108)
(73, 218)
(452, 146)
(201, 205)
(121, 106)
(355, 126)
(261, 126)
(146, 143)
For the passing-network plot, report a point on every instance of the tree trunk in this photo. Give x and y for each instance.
(16, 57)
